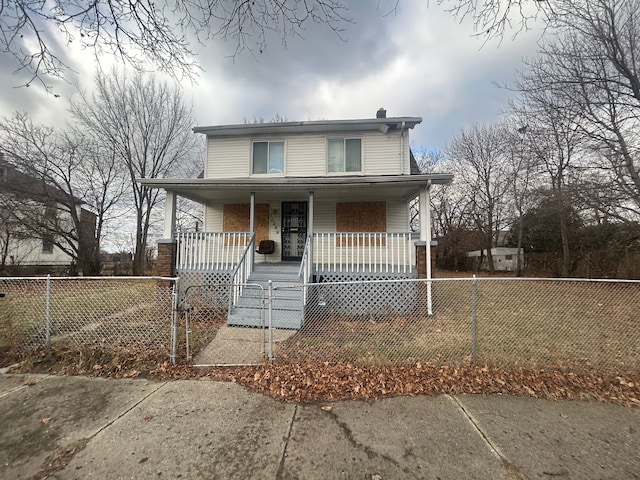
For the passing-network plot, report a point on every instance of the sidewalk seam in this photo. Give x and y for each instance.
(60, 458)
(163, 384)
(22, 387)
(492, 446)
(279, 473)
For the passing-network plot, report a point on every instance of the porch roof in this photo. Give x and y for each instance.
(205, 190)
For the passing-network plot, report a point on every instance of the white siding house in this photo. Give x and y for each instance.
(332, 197)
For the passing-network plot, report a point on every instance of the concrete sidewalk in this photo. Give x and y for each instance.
(115, 429)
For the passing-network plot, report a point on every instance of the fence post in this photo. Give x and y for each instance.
(47, 313)
(271, 357)
(174, 321)
(474, 320)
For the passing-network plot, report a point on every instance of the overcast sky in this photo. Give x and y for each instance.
(418, 61)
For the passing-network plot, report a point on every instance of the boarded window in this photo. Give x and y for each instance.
(361, 217)
(236, 218)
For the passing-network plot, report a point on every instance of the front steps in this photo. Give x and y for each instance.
(287, 298)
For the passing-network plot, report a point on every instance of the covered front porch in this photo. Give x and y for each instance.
(334, 229)
(357, 225)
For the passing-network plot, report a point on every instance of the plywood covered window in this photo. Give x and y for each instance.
(237, 218)
(361, 217)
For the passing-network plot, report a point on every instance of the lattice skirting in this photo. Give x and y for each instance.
(191, 281)
(371, 300)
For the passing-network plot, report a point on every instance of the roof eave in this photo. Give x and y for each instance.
(318, 126)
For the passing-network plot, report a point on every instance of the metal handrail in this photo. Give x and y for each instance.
(305, 268)
(243, 267)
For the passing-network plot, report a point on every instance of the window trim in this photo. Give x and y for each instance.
(344, 148)
(268, 142)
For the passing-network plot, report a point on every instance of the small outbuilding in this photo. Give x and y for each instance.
(505, 259)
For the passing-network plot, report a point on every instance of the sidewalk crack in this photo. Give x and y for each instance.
(348, 433)
(280, 472)
(510, 467)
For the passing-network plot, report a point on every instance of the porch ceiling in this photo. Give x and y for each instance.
(204, 191)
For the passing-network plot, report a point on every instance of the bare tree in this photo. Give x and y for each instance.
(48, 195)
(478, 158)
(522, 169)
(141, 31)
(495, 18)
(595, 60)
(148, 128)
(581, 97)
(553, 141)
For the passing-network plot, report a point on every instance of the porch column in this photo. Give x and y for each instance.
(425, 242)
(252, 226)
(252, 212)
(425, 225)
(170, 216)
(310, 234)
(167, 246)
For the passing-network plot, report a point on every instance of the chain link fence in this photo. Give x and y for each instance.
(511, 323)
(579, 325)
(107, 312)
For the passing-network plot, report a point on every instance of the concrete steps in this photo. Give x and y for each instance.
(287, 301)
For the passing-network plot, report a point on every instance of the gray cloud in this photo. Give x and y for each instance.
(418, 61)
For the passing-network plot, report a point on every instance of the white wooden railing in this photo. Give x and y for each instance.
(211, 250)
(364, 252)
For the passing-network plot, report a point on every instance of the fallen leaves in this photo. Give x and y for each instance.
(293, 381)
(328, 382)
(45, 421)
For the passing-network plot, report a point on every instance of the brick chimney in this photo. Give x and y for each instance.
(381, 113)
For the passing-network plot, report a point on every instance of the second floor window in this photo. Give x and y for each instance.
(345, 155)
(47, 245)
(268, 157)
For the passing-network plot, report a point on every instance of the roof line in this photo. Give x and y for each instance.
(410, 122)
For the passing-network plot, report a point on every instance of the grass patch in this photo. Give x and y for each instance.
(519, 324)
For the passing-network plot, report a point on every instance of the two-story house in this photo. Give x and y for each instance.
(33, 218)
(331, 197)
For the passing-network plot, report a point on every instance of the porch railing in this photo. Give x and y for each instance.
(364, 252)
(210, 250)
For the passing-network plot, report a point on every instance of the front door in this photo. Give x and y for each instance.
(294, 230)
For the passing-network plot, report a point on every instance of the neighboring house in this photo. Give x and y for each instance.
(27, 207)
(332, 196)
(505, 259)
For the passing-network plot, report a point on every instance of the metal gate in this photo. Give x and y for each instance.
(210, 340)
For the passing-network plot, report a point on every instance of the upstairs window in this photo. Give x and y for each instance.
(268, 157)
(345, 155)
(47, 245)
